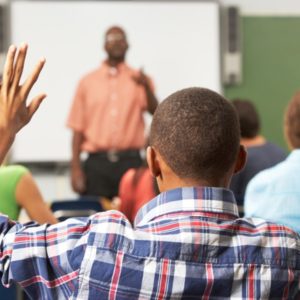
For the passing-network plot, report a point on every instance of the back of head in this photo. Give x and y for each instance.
(196, 131)
(292, 121)
(248, 117)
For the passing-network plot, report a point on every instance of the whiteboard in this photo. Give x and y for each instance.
(177, 44)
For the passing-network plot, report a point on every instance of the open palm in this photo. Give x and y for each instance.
(14, 110)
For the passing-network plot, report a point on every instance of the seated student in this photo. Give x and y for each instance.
(261, 153)
(274, 193)
(187, 243)
(137, 187)
(18, 189)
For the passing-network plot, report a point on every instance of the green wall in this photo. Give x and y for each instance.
(271, 69)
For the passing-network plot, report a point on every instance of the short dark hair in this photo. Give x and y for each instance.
(248, 117)
(115, 28)
(196, 131)
(292, 121)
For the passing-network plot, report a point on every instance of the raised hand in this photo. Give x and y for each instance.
(15, 112)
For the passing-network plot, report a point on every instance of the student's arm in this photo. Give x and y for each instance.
(44, 259)
(6, 141)
(29, 197)
(15, 113)
(35, 256)
(77, 174)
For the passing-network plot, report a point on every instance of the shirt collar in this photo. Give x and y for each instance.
(107, 68)
(294, 155)
(188, 199)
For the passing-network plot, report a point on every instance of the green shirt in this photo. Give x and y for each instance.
(9, 178)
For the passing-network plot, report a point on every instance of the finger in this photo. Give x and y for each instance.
(35, 104)
(8, 68)
(18, 70)
(32, 78)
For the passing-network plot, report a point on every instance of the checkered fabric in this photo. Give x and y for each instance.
(186, 244)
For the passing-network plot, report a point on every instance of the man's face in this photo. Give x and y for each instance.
(116, 44)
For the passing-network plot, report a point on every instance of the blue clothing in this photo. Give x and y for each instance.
(259, 158)
(274, 194)
(186, 244)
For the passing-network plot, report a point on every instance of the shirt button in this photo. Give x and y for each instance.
(113, 112)
(113, 96)
(113, 71)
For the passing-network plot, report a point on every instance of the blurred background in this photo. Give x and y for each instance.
(248, 49)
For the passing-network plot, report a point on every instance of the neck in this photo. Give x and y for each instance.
(114, 62)
(180, 183)
(258, 140)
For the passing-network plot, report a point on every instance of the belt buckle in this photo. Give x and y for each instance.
(112, 156)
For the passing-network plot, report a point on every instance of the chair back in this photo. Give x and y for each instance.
(73, 208)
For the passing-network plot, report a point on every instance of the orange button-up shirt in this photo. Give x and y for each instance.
(108, 109)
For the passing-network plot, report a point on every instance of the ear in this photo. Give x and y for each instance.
(241, 159)
(153, 162)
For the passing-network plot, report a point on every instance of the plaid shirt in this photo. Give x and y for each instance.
(187, 244)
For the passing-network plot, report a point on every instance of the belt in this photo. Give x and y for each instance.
(115, 155)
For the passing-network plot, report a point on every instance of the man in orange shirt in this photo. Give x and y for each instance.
(107, 120)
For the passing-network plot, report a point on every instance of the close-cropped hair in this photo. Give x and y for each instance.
(115, 28)
(248, 117)
(196, 131)
(292, 121)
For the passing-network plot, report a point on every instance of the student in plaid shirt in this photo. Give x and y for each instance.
(187, 243)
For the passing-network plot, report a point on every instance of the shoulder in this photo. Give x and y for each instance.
(111, 221)
(267, 235)
(129, 173)
(110, 230)
(130, 69)
(136, 72)
(13, 170)
(90, 76)
(269, 176)
(128, 176)
(276, 149)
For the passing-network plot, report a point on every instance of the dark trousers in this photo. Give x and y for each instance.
(104, 170)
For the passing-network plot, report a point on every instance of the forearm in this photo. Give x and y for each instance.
(30, 198)
(41, 213)
(78, 180)
(76, 149)
(6, 141)
(151, 99)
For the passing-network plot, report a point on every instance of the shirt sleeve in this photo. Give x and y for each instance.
(43, 259)
(75, 119)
